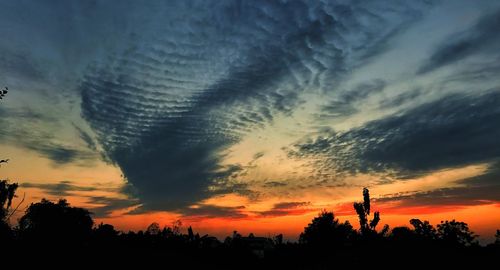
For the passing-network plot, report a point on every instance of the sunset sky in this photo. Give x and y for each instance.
(254, 115)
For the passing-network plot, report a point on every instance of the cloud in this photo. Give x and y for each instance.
(167, 106)
(213, 211)
(61, 189)
(290, 205)
(463, 196)
(19, 64)
(489, 178)
(71, 189)
(478, 190)
(109, 205)
(400, 99)
(363, 90)
(21, 127)
(287, 209)
(457, 130)
(479, 39)
(23, 115)
(337, 108)
(89, 141)
(274, 184)
(61, 154)
(475, 73)
(345, 104)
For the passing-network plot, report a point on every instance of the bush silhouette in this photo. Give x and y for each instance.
(55, 223)
(105, 234)
(402, 234)
(456, 233)
(325, 231)
(423, 229)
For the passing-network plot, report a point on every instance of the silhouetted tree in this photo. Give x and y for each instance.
(363, 212)
(423, 229)
(166, 232)
(105, 231)
(497, 238)
(236, 235)
(456, 233)
(153, 229)
(190, 234)
(55, 223)
(278, 239)
(7, 193)
(402, 234)
(385, 230)
(176, 227)
(105, 236)
(325, 231)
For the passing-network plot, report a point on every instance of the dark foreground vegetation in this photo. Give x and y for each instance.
(52, 233)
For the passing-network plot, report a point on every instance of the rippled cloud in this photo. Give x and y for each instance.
(166, 91)
(166, 109)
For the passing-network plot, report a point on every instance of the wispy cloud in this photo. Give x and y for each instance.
(288, 209)
(457, 130)
(106, 205)
(480, 39)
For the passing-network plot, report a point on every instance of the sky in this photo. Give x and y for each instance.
(254, 115)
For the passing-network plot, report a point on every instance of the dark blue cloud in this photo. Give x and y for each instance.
(457, 130)
(61, 154)
(61, 189)
(167, 106)
(109, 204)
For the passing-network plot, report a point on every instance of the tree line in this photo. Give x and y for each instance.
(48, 227)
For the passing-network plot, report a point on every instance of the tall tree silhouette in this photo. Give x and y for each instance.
(363, 212)
(7, 193)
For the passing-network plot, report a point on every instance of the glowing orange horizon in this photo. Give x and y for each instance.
(258, 216)
(482, 219)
